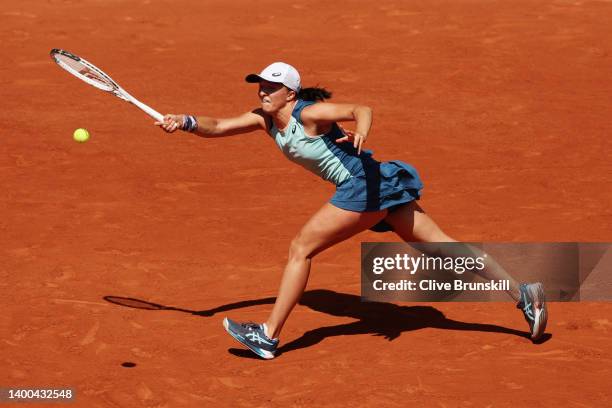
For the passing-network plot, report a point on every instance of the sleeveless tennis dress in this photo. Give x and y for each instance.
(362, 183)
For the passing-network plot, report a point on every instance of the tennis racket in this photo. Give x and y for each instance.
(94, 76)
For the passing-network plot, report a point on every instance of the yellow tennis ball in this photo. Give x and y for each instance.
(81, 135)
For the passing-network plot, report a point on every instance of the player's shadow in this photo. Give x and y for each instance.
(387, 320)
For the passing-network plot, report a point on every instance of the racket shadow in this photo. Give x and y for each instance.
(146, 305)
(386, 320)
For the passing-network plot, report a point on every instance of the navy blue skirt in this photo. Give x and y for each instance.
(380, 186)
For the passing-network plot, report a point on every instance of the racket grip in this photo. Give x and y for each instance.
(148, 110)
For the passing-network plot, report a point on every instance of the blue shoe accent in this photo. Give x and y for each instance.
(253, 336)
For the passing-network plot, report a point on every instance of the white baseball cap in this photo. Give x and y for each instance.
(278, 72)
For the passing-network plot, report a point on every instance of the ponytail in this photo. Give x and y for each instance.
(314, 94)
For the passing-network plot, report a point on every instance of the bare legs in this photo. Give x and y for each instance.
(412, 224)
(327, 227)
(331, 225)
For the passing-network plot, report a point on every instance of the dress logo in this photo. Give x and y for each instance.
(293, 129)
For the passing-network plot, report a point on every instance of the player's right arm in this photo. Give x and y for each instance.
(217, 127)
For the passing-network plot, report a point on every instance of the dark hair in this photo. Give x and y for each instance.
(314, 94)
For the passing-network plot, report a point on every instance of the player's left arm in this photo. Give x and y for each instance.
(323, 113)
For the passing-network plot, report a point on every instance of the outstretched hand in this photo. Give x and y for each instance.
(171, 122)
(356, 138)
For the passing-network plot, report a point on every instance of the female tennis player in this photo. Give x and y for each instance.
(369, 194)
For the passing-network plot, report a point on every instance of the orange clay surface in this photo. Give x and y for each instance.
(503, 106)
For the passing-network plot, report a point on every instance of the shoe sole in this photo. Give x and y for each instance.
(265, 354)
(536, 292)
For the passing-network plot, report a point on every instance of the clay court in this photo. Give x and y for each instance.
(502, 106)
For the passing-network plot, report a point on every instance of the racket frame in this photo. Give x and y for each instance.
(113, 86)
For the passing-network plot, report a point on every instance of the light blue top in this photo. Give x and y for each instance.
(335, 162)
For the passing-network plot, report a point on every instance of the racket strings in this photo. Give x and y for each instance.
(86, 72)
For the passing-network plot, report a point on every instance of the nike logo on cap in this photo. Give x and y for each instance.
(276, 74)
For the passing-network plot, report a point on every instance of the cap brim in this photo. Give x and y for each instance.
(253, 78)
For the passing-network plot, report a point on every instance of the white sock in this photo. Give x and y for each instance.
(265, 328)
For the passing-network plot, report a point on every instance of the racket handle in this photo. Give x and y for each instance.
(148, 110)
